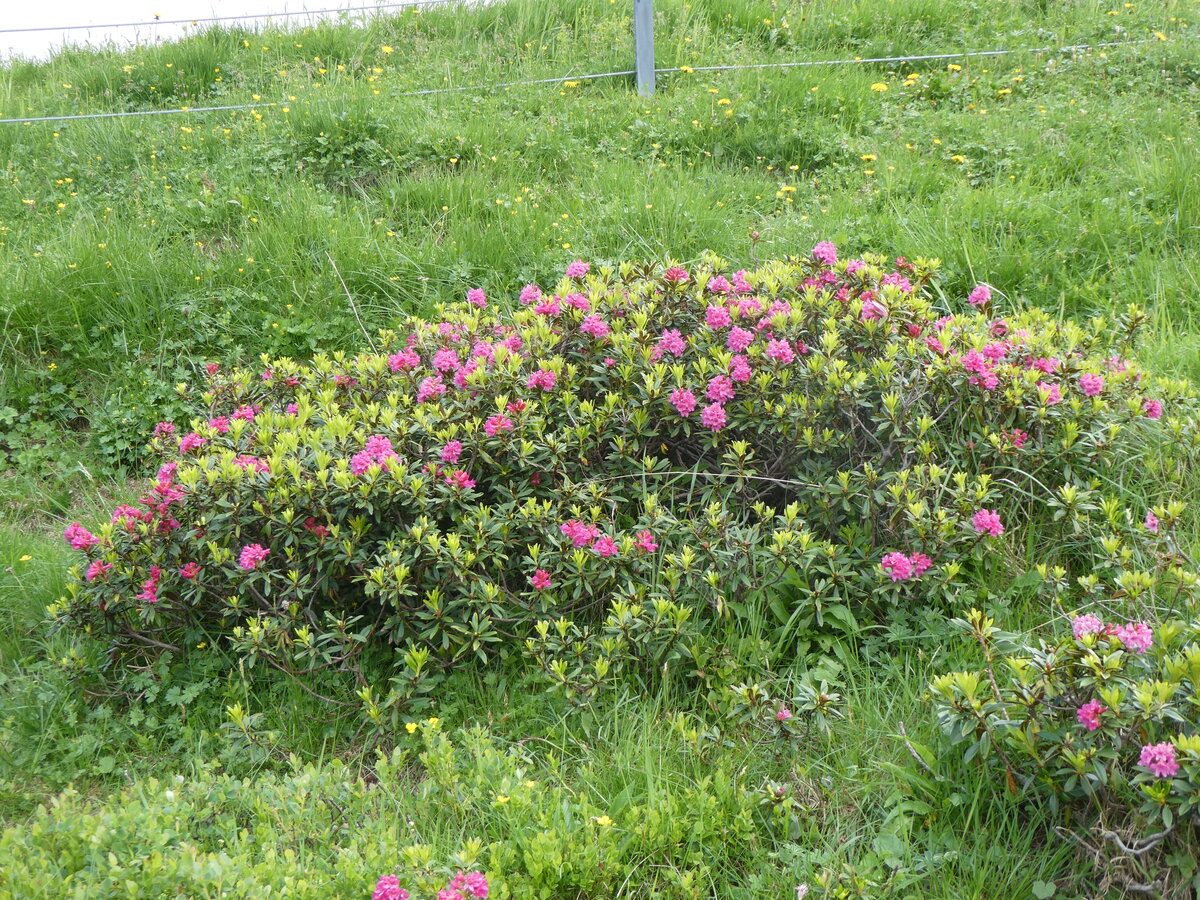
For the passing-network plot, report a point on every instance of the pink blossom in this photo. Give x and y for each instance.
(594, 325)
(476, 297)
(854, 265)
(542, 378)
(1046, 365)
(720, 285)
(1152, 408)
(125, 512)
(531, 293)
(253, 463)
(190, 570)
(935, 345)
(212, 368)
(549, 307)
(1089, 714)
(445, 360)
(252, 555)
(980, 295)
(97, 568)
(987, 521)
(150, 586)
(310, 525)
(497, 424)
(720, 389)
(739, 368)
(1159, 759)
(780, 351)
(898, 280)
(361, 462)
(825, 252)
(609, 361)
(605, 546)
(451, 451)
(449, 894)
(920, 563)
(460, 377)
(578, 301)
(671, 342)
(477, 885)
(220, 424)
(541, 579)
(292, 409)
(996, 351)
(676, 275)
(739, 339)
(404, 361)
(1137, 636)
(433, 386)
(684, 401)
(581, 535)
(873, 310)
(191, 441)
(1082, 626)
(1051, 393)
(578, 269)
(388, 888)
(645, 541)
(1151, 521)
(246, 413)
(1017, 438)
(460, 480)
(898, 565)
(1091, 384)
(79, 537)
(164, 428)
(713, 417)
(783, 715)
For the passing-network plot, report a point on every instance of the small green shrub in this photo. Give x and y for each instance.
(1098, 716)
(687, 442)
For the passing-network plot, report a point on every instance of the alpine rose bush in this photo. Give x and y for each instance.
(691, 438)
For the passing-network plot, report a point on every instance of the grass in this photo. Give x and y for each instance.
(132, 250)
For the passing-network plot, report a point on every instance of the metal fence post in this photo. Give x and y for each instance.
(643, 43)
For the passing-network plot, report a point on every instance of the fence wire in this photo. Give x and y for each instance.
(964, 54)
(298, 12)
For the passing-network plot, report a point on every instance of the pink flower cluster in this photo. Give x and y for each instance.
(1089, 714)
(493, 426)
(902, 567)
(1159, 759)
(1135, 636)
(542, 378)
(980, 295)
(987, 521)
(461, 887)
(377, 451)
(150, 586)
(1091, 384)
(252, 556)
(79, 537)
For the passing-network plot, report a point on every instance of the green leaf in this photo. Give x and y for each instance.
(1043, 890)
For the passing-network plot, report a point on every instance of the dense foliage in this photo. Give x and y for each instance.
(815, 437)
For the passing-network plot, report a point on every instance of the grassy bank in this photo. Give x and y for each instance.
(134, 250)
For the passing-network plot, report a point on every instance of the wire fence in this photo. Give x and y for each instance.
(640, 73)
(381, 7)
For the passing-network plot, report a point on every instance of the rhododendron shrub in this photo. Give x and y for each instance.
(1097, 715)
(693, 437)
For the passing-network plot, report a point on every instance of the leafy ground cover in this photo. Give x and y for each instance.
(136, 250)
